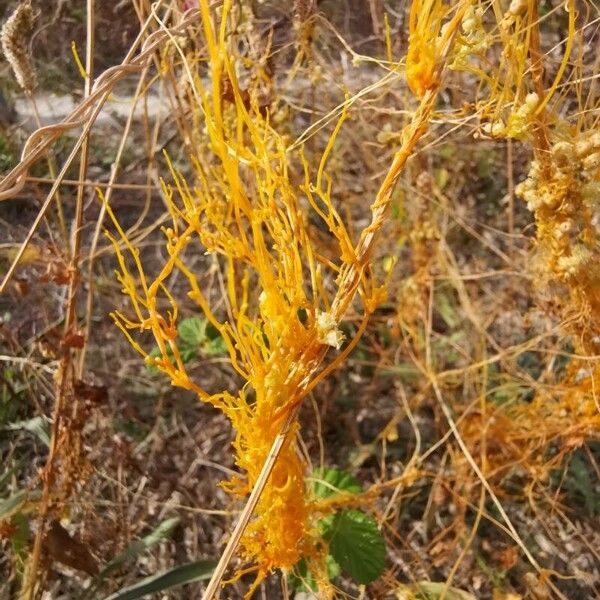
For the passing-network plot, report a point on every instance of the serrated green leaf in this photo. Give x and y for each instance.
(156, 353)
(214, 343)
(187, 353)
(137, 547)
(187, 573)
(357, 545)
(212, 333)
(194, 334)
(329, 482)
(192, 331)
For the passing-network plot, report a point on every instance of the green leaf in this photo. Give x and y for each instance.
(8, 474)
(187, 573)
(429, 590)
(137, 547)
(187, 353)
(356, 544)
(192, 331)
(333, 569)
(580, 485)
(39, 426)
(20, 536)
(214, 343)
(216, 347)
(11, 505)
(329, 482)
(194, 334)
(156, 353)
(301, 579)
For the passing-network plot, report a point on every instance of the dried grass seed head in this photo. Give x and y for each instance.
(14, 38)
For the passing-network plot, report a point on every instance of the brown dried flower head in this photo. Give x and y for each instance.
(14, 37)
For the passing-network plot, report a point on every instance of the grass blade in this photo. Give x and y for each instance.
(5, 477)
(187, 573)
(137, 547)
(38, 426)
(12, 504)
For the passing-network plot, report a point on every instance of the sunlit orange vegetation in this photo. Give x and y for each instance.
(430, 33)
(500, 46)
(286, 292)
(561, 191)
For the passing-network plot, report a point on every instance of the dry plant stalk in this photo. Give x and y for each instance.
(66, 464)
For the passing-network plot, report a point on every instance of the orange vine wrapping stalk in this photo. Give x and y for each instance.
(422, 57)
(429, 41)
(246, 210)
(285, 296)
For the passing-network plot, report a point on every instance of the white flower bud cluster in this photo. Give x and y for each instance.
(517, 8)
(494, 129)
(577, 260)
(588, 151)
(568, 196)
(327, 330)
(520, 120)
(537, 193)
(474, 40)
(574, 166)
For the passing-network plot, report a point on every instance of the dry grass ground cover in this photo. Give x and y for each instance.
(300, 300)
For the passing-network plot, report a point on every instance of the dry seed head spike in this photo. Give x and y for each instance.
(14, 39)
